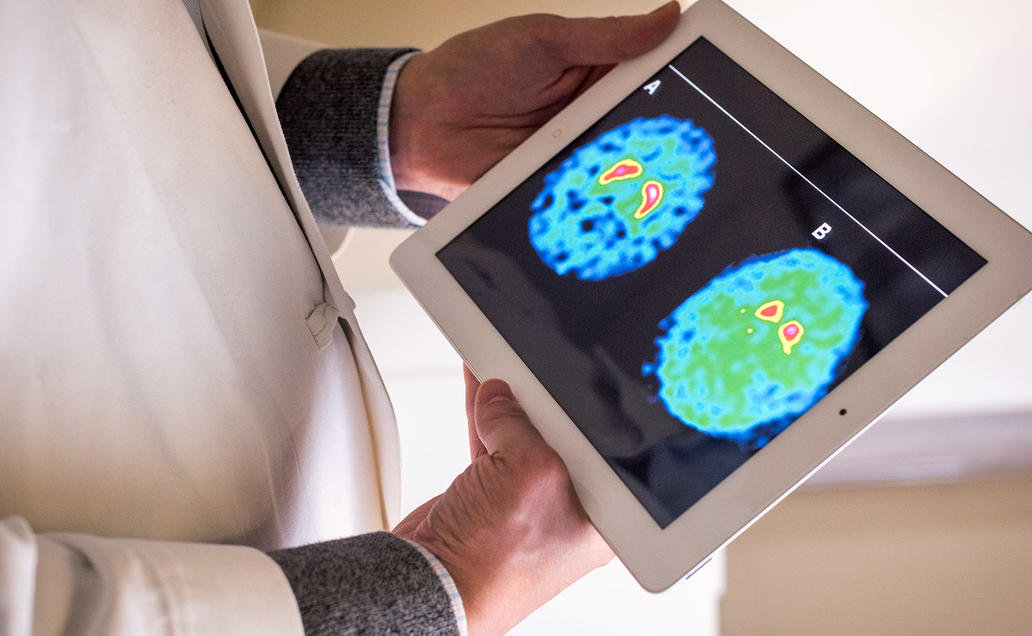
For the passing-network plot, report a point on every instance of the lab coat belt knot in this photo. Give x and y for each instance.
(321, 323)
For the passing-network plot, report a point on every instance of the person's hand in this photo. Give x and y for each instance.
(461, 107)
(509, 529)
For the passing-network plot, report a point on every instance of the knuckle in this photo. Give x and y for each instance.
(508, 470)
(504, 409)
(544, 24)
(545, 31)
(535, 474)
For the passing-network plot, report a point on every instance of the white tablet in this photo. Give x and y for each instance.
(705, 277)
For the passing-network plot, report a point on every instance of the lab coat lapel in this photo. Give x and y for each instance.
(232, 31)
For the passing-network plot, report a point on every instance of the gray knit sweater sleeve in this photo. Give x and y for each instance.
(328, 110)
(369, 584)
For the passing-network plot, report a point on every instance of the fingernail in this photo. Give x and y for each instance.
(664, 6)
(494, 391)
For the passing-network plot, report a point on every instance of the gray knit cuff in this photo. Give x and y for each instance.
(328, 111)
(369, 584)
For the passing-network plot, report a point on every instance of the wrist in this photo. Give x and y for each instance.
(414, 133)
(404, 126)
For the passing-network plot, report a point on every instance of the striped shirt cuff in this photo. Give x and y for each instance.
(383, 118)
(449, 586)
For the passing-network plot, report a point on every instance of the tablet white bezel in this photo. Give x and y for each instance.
(658, 558)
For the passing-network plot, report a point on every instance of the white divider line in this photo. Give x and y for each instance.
(803, 177)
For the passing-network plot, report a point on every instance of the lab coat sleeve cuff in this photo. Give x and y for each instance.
(75, 582)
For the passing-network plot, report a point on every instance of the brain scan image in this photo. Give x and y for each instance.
(620, 200)
(758, 345)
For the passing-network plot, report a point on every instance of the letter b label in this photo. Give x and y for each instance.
(821, 231)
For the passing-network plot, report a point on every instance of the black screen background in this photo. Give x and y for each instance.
(586, 341)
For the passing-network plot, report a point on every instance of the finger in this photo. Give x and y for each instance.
(597, 41)
(501, 422)
(476, 447)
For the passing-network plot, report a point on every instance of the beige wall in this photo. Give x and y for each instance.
(419, 23)
(949, 559)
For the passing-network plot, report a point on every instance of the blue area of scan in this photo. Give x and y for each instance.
(756, 392)
(587, 229)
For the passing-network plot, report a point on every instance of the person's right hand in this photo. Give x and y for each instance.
(461, 107)
(509, 529)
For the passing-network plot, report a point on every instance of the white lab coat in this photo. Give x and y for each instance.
(172, 365)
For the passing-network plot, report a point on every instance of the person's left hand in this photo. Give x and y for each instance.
(463, 106)
(510, 529)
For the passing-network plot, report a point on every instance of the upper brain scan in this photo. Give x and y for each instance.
(622, 198)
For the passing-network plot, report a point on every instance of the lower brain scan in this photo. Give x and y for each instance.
(759, 344)
(622, 198)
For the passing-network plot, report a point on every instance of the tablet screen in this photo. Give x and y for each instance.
(697, 270)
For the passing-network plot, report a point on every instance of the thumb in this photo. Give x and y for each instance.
(598, 41)
(500, 421)
(476, 447)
